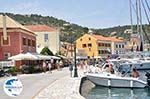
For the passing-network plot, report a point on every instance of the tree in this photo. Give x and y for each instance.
(46, 51)
(85, 30)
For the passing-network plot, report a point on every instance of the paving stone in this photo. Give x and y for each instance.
(64, 88)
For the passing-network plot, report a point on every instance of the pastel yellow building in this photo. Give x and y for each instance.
(93, 45)
(99, 46)
(46, 37)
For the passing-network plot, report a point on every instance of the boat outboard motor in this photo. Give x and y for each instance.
(148, 78)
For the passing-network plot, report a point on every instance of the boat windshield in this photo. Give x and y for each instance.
(122, 66)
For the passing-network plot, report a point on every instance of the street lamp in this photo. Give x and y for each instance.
(75, 65)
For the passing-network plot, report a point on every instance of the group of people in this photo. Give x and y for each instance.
(48, 65)
(134, 73)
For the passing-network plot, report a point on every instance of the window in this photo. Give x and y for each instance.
(81, 39)
(116, 51)
(33, 43)
(83, 45)
(29, 42)
(89, 38)
(116, 46)
(99, 52)
(102, 52)
(5, 42)
(99, 44)
(109, 45)
(24, 41)
(89, 45)
(102, 44)
(106, 45)
(119, 46)
(122, 46)
(6, 55)
(45, 37)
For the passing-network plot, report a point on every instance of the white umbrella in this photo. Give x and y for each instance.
(55, 57)
(26, 56)
(44, 57)
(81, 57)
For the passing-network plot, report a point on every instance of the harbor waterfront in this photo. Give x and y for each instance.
(75, 49)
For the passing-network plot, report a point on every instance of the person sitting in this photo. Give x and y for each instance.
(135, 73)
(106, 68)
(111, 70)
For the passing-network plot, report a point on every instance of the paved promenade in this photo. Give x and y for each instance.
(34, 83)
(64, 88)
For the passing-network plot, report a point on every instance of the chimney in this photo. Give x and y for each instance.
(4, 27)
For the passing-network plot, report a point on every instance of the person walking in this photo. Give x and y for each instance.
(70, 68)
(60, 64)
(44, 66)
(49, 67)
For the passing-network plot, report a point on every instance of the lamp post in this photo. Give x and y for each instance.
(68, 26)
(75, 65)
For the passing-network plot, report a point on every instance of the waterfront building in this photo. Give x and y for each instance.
(117, 45)
(97, 45)
(46, 37)
(15, 38)
(67, 49)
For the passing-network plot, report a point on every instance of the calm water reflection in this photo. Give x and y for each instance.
(118, 93)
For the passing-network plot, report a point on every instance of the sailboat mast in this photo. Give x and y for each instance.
(137, 15)
(141, 28)
(130, 3)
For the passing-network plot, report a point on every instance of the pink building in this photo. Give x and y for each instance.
(15, 38)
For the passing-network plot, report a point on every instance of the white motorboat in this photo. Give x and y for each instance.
(112, 80)
(103, 78)
(138, 63)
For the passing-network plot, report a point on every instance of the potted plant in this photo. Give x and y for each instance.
(13, 71)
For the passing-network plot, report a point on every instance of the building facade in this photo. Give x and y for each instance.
(46, 37)
(67, 49)
(97, 45)
(16, 39)
(117, 46)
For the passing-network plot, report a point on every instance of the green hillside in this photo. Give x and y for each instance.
(72, 32)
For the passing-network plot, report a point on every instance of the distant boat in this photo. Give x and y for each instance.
(138, 63)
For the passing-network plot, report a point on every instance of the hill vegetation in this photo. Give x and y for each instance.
(73, 31)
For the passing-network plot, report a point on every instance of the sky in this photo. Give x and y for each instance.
(88, 13)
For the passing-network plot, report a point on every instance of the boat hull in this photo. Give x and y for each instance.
(123, 82)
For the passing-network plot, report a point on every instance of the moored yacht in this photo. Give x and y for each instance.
(107, 79)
